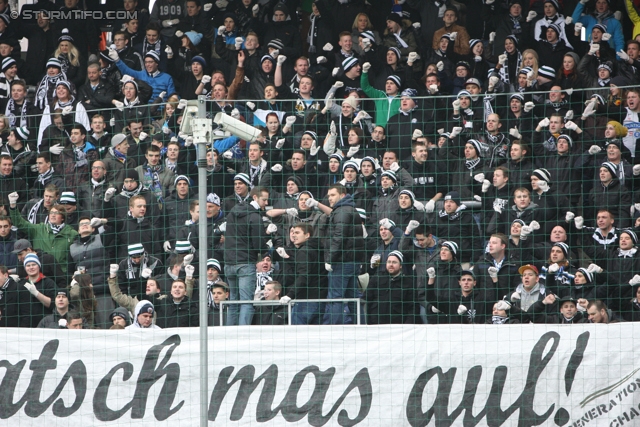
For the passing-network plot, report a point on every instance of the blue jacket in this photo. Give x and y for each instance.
(613, 27)
(161, 82)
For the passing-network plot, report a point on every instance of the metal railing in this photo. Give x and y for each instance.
(290, 304)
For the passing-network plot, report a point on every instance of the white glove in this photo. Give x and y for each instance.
(492, 36)
(282, 253)
(143, 136)
(528, 106)
(543, 123)
(375, 260)
(456, 105)
(311, 203)
(13, 198)
(223, 227)
(238, 43)
(62, 323)
(453, 36)
(543, 185)
(553, 268)
(413, 57)
(493, 272)
(277, 168)
(112, 122)
(455, 132)
(493, 80)
(532, 14)
(569, 216)
(568, 20)
(290, 120)
(486, 184)
(618, 15)
(221, 4)
(440, 65)
(108, 195)
(187, 260)
(515, 133)
(272, 228)
(167, 23)
(146, 273)
(56, 149)
(503, 305)
(577, 27)
(96, 222)
(360, 116)
(594, 48)
(489, 1)
(221, 30)
(413, 224)
(479, 177)
(634, 280)
(189, 270)
(119, 105)
(67, 110)
(255, 9)
(416, 25)
(477, 198)
(188, 141)
(497, 207)
(606, 37)
(579, 222)
(169, 52)
(327, 47)
(250, 105)
(235, 113)
(365, 67)
(167, 246)
(462, 310)
(328, 267)
(623, 55)
(433, 89)
(113, 55)
(525, 231)
(205, 79)
(434, 310)
(417, 133)
(321, 60)
(162, 95)
(314, 148)
(285, 300)
(419, 206)
(568, 116)
(385, 223)
(281, 59)
(594, 149)
(594, 268)
(32, 289)
(571, 125)
(636, 169)
(366, 45)
(395, 167)
(113, 270)
(275, 53)
(502, 59)
(280, 143)
(535, 225)
(292, 212)
(431, 272)
(353, 150)
(430, 206)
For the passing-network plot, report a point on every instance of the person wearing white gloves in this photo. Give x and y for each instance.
(495, 271)
(568, 307)
(558, 271)
(520, 207)
(610, 23)
(167, 15)
(428, 182)
(158, 80)
(409, 119)
(390, 239)
(271, 314)
(391, 295)
(387, 101)
(459, 35)
(342, 256)
(399, 34)
(176, 309)
(551, 14)
(248, 234)
(37, 293)
(465, 304)
(135, 270)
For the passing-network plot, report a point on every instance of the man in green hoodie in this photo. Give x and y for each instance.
(387, 102)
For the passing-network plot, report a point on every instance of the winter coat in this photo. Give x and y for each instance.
(391, 300)
(132, 232)
(116, 169)
(93, 254)
(344, 242)
(35, 311)
(162, 82)
(508, 277)
(75, 176)
(478, 304)
(14, 312)
(171, 314)
(175, 213)
(385, 107)
(246, 236)
(460, 227)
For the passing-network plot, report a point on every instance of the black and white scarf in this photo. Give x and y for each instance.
(43, 177)
(129, 194)
(499, 320)
(104, 72)
(97, 183)
(313, 34)
(81, 156)
(131, 268)
(42, 93)
(401, 43)
(454, 216)
(504, 71)
(471, 164)
(131, 104)
(210, 302)
(64, 61)
(32, 217)
(56, 228)
(11, 112)
(628, 253)
(603, 82)
(147, 47)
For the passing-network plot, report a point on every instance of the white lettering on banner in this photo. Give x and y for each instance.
(456, 375)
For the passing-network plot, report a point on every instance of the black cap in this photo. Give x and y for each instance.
(20, 246)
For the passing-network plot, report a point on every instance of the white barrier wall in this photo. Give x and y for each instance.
(508, 375)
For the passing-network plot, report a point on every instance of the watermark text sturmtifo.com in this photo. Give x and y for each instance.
(122, 15)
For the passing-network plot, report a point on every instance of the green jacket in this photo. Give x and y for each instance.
(41, 237)
(385, 106)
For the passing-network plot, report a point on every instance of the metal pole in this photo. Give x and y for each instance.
(202, 270)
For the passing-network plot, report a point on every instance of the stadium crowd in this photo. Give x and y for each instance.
(446, 162)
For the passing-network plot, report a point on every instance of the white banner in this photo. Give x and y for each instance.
(458, 375)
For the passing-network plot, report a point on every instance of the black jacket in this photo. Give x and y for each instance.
(11, 307)
(305, 277)
(391, 300)
(344, 242)
(98, 98)
(479, 305)
(174, 315)
(246, 236)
